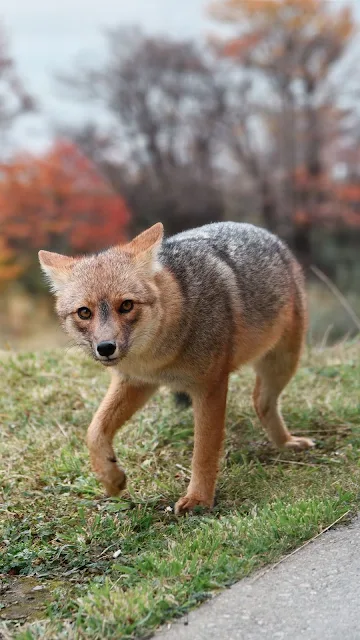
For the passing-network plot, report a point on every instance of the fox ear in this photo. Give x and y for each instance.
(57, 268)
(146, 246)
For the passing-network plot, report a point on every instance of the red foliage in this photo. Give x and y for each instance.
(347, 197)
(239, 47)
(59, 201)
(336, 203)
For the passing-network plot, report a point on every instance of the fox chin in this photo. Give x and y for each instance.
(185, 311)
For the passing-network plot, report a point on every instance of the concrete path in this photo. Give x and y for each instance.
(312, 595)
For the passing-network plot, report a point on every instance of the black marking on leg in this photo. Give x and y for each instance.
(112, 459)
(122, 483)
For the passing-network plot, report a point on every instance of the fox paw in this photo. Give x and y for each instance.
(115, 482)
(189, 502)
(299, 443)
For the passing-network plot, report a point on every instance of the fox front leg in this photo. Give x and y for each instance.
(209, 414)
(121, 401)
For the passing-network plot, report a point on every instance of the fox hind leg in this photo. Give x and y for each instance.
(274, 370)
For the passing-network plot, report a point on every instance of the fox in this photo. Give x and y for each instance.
(185, 311)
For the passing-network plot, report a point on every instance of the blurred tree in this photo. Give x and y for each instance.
(246, 137)
(58, 201)
(14, 99)
(9, 270)
(14, 102)
(292, 45)
(160, 149)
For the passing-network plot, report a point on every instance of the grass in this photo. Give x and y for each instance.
(329, 320)
(107, 568)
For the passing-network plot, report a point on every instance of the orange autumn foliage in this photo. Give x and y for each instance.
(338, 201)
(8, 269)
(294, 45)
(285, 32)
(58, 201)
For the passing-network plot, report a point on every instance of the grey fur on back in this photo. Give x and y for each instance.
(224, 262)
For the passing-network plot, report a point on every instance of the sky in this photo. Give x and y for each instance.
(47, 36)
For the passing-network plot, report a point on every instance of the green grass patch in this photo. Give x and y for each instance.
(108, 568)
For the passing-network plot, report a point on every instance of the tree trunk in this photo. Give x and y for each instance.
(268, 207)
(301, 242)
(310, 193)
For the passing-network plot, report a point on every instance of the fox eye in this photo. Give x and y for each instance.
(84, 313)
(126, 306)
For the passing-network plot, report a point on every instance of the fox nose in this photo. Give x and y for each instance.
(106, 348)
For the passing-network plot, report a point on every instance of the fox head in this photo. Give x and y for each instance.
(109, 302)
